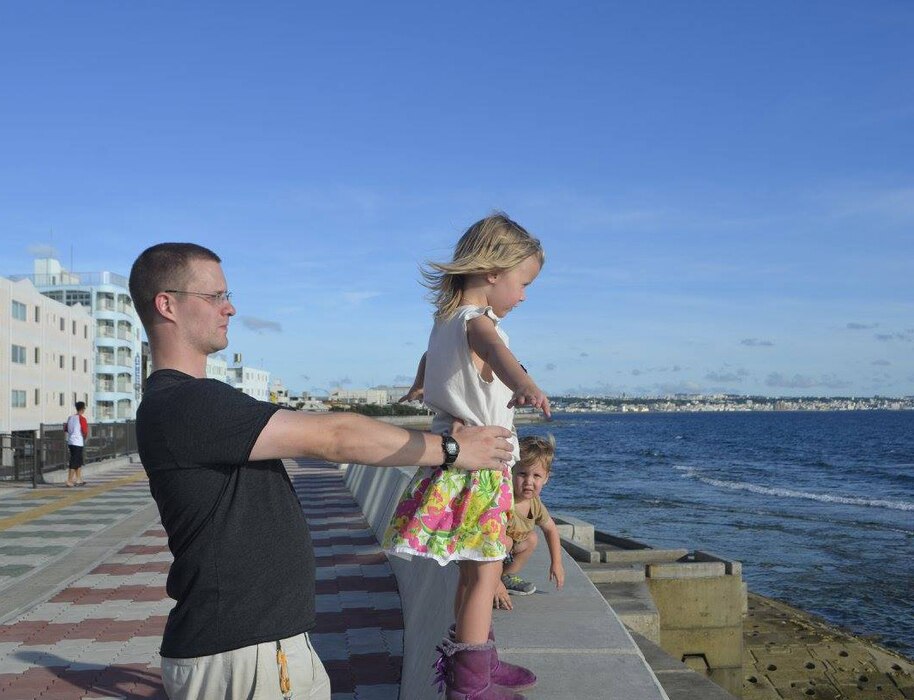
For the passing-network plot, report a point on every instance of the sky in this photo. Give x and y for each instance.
(724, 190)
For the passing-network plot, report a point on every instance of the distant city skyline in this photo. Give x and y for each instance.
(725, 191)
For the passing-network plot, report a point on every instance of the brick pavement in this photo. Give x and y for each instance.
(98, 637)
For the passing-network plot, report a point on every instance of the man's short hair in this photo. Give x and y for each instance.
(80, 405)
(160, 267)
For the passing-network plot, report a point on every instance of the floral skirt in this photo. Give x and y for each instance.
(452, 514)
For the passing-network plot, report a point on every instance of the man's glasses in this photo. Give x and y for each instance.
(217, 298)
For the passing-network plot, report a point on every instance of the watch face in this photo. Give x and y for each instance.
(451, 447)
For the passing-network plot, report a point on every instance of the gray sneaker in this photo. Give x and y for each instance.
(516, 585)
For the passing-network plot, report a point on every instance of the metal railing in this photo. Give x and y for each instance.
(28, 458)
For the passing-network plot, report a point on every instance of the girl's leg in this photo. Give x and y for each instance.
(522, 552)
(461, 589)
(474, 619)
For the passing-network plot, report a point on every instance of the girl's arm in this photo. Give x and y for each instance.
(486, 343)
(556, 569)
(418, 388)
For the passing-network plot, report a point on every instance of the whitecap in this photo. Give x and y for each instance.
(693, 473)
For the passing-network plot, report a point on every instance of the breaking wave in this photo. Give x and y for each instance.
(693, 473)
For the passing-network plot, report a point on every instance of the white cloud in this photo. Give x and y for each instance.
(800, 381)
(259, 325)
(359, 297)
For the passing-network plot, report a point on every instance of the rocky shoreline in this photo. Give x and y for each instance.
(788, 653)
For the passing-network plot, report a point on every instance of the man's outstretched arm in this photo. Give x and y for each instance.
(348, 437)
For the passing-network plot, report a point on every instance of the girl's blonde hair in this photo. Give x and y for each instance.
(533, 449)
(493, 244)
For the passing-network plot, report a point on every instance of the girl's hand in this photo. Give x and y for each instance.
(502, 599)
(414, 394)
(557, 574)
(529, 394)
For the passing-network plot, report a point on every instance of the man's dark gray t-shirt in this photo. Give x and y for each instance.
(243, 570)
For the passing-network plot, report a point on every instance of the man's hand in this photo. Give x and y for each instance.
(481, 447)
(529, 394)
(502, 599)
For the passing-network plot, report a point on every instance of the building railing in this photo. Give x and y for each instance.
(28, 458)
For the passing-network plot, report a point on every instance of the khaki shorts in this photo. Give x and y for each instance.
(249, 673)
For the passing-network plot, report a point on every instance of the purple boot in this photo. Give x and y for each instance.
(502, 673)
(464, 671)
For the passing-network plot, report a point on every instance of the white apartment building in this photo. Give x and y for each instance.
(118, 354)
(217, 367)
(359, 396)
(279, 394)
(249, 380)
(46, 358)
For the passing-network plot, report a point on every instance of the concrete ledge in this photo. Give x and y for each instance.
(571, 639)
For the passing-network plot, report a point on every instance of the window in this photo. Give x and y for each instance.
(37, 314)
(61, 366)
(85, 366)
(37, 396)
(74, 327)
(62, 324)
(85, 330)
(74, 364)
(37, 356)
(19, 310)
(18, 398)
(61, 398)
(19, 354)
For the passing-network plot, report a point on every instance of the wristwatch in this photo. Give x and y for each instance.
(451, 450)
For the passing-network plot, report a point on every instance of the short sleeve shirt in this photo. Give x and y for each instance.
(243, 570)
(519, 526)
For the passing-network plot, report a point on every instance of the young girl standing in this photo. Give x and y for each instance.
(469, 374)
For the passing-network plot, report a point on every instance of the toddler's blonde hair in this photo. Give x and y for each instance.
(533, 449)
(493, 244)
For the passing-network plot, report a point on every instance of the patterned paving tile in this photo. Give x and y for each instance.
(99, 636)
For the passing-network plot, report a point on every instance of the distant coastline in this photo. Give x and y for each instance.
(726, 403)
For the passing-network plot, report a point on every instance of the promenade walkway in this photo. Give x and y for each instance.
(82, 589)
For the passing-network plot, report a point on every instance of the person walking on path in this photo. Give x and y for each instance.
(243, 574)
(468, 373)
(77, 429)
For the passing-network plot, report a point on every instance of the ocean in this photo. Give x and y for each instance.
(818, 506)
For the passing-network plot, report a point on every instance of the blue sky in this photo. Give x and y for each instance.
(725, 190)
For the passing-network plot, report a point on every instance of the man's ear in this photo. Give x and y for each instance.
(164, 305)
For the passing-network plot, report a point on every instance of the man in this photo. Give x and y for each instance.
(243, 571)
(77, 430)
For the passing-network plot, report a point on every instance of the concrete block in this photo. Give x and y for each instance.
(579, 552)
(614, 573)
(644, 556)
(722, 647)
(633, 604)
(696, 603)
(678, 570)
(582, 532)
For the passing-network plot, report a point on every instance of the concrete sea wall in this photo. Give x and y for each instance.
(572, 638)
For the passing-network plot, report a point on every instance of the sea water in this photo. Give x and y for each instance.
(818, 506)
